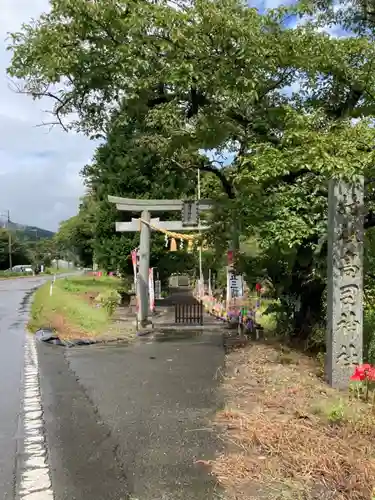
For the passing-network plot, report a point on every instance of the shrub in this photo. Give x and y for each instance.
(109, 300)
(69, 286)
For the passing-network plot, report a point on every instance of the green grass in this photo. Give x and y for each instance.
(81, 284)
(67, 310)
(53, 270)
(10, 274)
(48, 271)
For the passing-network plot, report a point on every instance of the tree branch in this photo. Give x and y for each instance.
(344, 109)
(61, 103)
(226, 184)
(289, 178)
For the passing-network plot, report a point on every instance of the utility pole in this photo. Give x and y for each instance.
(6, 214)
(9, 242)
(201, 281)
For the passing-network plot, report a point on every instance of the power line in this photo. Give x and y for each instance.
(6, 215)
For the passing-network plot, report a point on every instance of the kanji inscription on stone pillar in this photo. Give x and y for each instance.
(345, 281)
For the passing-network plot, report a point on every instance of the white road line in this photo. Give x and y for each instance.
(35, 482)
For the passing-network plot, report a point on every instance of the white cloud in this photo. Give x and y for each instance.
(39, 169)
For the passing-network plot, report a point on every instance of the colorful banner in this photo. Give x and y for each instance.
(134, 254)
(230, 257)
(134, 262)
(151, 290)
(236, 314)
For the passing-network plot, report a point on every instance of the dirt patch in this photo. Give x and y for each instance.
(290, 436)
(88, 297)
(65, 330)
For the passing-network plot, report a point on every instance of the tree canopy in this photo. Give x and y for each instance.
(24, 249)
(75, 235)
(212, 75)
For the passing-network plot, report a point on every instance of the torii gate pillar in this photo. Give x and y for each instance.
(144, 265)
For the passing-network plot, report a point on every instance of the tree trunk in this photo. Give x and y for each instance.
(308, 292)
(310, 312)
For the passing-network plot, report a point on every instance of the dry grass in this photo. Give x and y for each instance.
(64, 329)
(289, 436)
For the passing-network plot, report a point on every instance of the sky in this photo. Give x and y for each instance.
(39, 169)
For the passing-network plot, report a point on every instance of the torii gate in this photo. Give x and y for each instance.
(189, 222)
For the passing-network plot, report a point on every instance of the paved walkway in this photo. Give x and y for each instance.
(129, 422)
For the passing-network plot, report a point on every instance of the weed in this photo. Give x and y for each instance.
(109, 300)
(336, 414)
(285, 359)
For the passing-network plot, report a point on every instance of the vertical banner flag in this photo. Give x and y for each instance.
(209, 283)
(230, 272)
(134, 255)
(134, 262)
(228, 286)
(258, 288)
(151, 289)
(230, 257)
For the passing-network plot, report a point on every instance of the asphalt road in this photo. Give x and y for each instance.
(13, 316)
(118, 422)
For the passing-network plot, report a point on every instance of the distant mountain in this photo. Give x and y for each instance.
(30, 232)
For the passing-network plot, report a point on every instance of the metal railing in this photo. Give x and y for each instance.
(189, 314)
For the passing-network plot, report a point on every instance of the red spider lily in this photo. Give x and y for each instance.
(358, 376)
(371, 374)
(363, 372)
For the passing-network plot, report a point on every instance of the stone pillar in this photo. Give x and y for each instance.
(157, 289)
(345, 281)
(144, 265)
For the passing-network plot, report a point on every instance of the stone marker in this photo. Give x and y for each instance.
(345, 281)
(157, 289)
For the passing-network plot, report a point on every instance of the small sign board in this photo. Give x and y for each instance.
(190, 213)
(234, 285)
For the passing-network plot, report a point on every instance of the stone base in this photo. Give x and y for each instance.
(147, 324)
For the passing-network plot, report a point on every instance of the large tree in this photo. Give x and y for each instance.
(123, 167)
(75, 235)
(19, 249)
